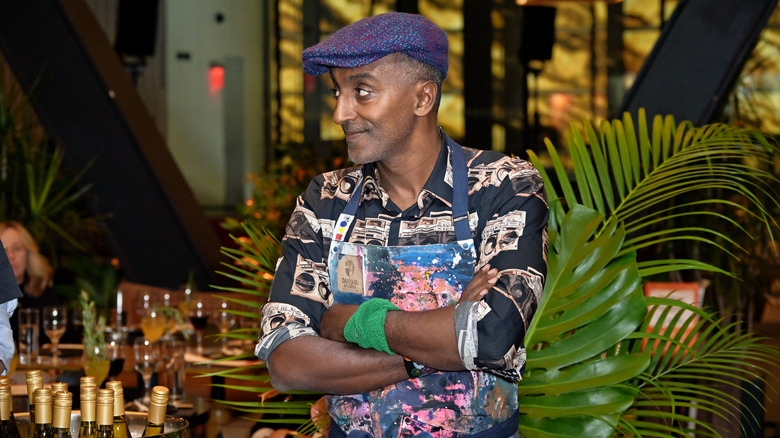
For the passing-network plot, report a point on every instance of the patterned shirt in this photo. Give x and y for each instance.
(508, 220)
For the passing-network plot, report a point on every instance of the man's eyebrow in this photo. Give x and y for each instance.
(353, 77)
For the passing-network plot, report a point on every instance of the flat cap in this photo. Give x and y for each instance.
(372, 38)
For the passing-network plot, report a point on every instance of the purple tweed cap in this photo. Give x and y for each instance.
(372, 38)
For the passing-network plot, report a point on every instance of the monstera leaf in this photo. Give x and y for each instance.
(595, 368)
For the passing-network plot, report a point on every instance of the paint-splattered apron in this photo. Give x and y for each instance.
(414, 278)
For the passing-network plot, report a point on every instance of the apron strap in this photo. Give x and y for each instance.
(460, 189)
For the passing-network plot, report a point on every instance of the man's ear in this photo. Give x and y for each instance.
(426, 98)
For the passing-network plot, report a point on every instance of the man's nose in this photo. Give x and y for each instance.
(343, 111)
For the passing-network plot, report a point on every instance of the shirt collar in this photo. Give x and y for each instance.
(439, 184)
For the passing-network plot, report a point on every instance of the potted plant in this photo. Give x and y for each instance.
(96, 360)
(594, 367)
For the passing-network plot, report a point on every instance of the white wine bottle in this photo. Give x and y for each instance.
(105, 413)
(60, 423)
(7, 421)
(88, 397)
(42, 428)
(155, 420)
(34, 381)
(121, 429)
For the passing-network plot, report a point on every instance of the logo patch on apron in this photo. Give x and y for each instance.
(350, 274)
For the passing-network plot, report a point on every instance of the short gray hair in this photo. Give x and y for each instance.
(416, 71)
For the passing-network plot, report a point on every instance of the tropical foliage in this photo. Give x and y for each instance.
(594, 366)
(600, 360)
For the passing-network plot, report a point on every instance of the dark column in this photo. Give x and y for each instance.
(477, 76)
(311, 86)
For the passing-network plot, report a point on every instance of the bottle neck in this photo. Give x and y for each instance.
(156, 414)
(61, 418)
(87, 410)
(43, 413)
(105, 415)
(5, 411)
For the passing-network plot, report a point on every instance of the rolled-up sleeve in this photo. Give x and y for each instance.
(513, 240)
(300, 291)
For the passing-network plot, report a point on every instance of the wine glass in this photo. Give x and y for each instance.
(172, 355)
(147, 356)
(55, 319)
(153, 323)
(225, 319)
(199, 317)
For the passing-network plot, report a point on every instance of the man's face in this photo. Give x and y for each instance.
(375, 107)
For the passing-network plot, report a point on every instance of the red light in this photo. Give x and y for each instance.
(216, 78)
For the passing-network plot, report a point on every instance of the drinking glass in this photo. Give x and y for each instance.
(147, 356)
(173, 362)
(153, 324)
(224, 319)
(29, 323)
(55, 319)
(199, 317)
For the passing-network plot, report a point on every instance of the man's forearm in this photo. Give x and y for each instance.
(317, 364)
(427, 337)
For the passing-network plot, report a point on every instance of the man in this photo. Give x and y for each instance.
(406, 339)
(9, 295)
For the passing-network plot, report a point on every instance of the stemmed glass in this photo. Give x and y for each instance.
(199, 317)
(147, 356)
(55, 319)
(173, 362)
(224, 319)
(153, 323)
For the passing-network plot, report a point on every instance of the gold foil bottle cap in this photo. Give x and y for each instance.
(63, 400)
(42, 395)
(34, 381)
(5, 388)
(105, 396)
(119, 396)
(88, 392)
(5, 380)
(160, 395)
(86, 380)
(59, 387)
(105, 407)
(42, 405)
(5, 405)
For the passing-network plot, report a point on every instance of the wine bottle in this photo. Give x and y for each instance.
(42, 428)
(121, 430)
(34, 381)
(8, 426)
(105, 413)
(87, 396)
(155, 420)
(87, 380)
(60, 423)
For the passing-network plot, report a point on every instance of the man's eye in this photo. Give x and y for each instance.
(335, 92)
(361, 92)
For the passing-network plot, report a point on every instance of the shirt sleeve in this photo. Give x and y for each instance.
(9, 288)
(513, 239)
(6, 334)
(300, 292)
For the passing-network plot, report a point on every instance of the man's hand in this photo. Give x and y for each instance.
(479, 286)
